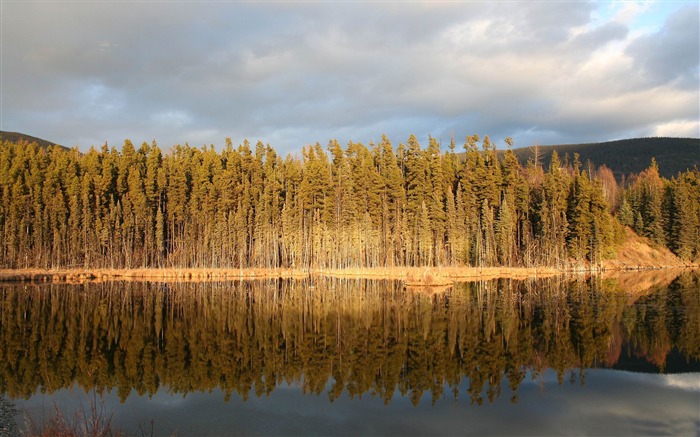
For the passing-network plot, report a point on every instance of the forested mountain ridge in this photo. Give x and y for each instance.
(332, 207)
(625, 157)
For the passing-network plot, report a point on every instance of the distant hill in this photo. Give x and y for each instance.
(625, 157)
(16, 137)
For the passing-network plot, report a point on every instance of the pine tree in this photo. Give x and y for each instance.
(505, 227)
(436, 199)
(416, 184)
(314, 191)
(392, 197)
(684, 215)
(625, 214)
(516, 198)
(652, 197)
(579, 216)
(602, 233)
(343, 205)
(551, 213)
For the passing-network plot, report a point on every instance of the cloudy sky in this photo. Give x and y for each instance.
(290, 74)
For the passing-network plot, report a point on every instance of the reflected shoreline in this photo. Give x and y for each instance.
(367, 336)
(414, 276)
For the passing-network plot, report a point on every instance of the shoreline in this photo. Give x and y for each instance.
(414, 276)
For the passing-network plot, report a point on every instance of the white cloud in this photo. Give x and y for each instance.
(294, 74)
(687, 381)
(677, 128)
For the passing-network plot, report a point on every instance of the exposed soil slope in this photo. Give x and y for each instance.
(640, 253)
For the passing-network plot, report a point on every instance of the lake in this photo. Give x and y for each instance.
(320, 356)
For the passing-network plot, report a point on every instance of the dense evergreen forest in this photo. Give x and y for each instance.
(334, 207)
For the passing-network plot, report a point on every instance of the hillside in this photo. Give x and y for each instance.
(638, 252)
(16, 137)
(625, 157)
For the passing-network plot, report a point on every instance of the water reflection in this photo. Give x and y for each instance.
(611, 403)
(339, 336)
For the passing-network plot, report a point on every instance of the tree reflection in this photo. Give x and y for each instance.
(334, 335)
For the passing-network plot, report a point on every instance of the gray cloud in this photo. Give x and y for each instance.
(672, 54)
(294, 74)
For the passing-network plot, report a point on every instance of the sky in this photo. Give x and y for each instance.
(82, 73)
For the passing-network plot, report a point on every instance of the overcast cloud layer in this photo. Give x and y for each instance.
(86, 73)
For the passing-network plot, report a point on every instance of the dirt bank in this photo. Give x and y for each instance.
(639, 253)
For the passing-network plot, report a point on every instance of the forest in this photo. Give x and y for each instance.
(334, 207)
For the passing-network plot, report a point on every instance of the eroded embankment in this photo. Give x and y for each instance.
(639, 253)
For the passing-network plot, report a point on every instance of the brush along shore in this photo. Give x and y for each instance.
(635, 253)
(413, 276)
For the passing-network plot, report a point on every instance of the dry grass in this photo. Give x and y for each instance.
(640, 282)
(94, 421)
(76, 276)
(429, 290)
(414, 276)
(427, 277)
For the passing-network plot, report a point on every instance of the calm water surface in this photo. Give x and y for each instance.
(347, 357)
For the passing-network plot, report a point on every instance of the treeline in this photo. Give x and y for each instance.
(358, 206)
